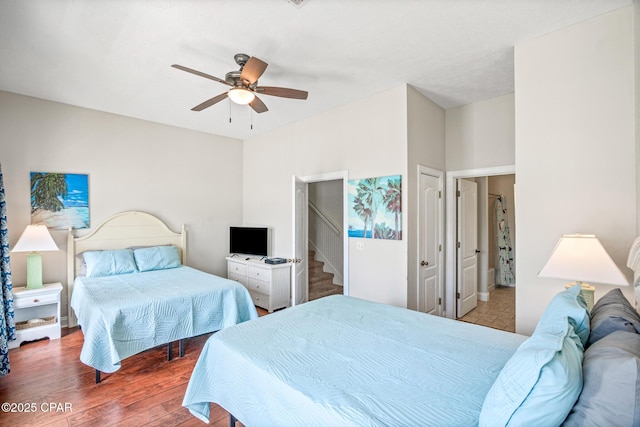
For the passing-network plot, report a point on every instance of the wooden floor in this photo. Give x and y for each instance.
(498, 313)
(147, 390)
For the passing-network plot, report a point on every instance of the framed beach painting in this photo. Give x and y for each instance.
(60, 200)
(375, 207)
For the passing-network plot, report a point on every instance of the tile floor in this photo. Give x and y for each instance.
(498, 313)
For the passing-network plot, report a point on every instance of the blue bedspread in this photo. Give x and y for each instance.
(341, 361)
(125, 314)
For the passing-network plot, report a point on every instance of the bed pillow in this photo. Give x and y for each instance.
(611, 392)
(109, 263)
(157, 258)
(568, 305)
(613, 312)
(539, 384)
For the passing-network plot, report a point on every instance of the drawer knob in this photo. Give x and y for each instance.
(36, 300)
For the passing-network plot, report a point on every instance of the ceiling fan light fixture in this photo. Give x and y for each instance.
(241, 96)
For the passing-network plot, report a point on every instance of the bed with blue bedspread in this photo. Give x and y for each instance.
(130, 290)
(341, 361)
(122, 315)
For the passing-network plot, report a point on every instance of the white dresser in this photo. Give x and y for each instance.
(41, 307)
(269, 285)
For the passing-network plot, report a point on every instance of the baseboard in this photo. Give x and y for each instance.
(483, 296)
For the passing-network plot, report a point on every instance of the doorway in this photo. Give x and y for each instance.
(320, 215)
(485, 214)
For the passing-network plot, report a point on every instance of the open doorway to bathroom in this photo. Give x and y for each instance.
(496, 301)
(496, 251)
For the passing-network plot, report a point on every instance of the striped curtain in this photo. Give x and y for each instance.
(7, 323)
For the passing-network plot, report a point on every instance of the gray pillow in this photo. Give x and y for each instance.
(611, 391)
(613, 312)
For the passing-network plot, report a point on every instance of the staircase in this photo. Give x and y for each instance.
(320, 282)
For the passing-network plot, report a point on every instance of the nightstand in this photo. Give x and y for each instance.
(41, 305)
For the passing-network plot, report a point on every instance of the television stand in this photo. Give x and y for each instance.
(268, 284)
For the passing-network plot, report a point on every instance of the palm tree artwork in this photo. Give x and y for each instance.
(375, 208)
(60, 201)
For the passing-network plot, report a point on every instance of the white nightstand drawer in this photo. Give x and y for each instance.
(32, 301)
(237, 268)
(260, 273)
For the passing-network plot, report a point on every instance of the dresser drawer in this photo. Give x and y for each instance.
(21, 301)
(238, 278)
(259, 299)
(259, 273)
(236, 268)
(259, 286)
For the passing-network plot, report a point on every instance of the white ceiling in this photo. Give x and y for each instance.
(115, 55)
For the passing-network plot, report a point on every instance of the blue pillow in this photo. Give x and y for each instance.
(570, 306)
(109, 263)
(539, 384)
(157, 258)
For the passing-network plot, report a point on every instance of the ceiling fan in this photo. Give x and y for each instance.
(244, 85)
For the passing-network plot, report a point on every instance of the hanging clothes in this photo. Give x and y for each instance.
(7, 322)
(504, 273)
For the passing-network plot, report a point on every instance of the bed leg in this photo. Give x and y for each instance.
(232, 421)
(97, 377)
(181, 348)
(169, 352)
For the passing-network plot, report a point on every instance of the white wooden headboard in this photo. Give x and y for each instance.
(120, 231)
(633, 262)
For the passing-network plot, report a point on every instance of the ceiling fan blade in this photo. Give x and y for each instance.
(209, 102)
(201, 74)
(258, 106)
(282, 92)
(252, 70)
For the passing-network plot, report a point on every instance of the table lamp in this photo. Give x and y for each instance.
(35, 239)
(581, 257)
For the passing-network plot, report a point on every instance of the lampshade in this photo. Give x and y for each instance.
(241, 96)
(582, 258)
(35, 238)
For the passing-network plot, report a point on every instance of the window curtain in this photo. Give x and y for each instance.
(504, 274)
(7, 322)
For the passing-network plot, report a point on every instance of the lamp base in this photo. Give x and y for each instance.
(587, 291)
(34, 271)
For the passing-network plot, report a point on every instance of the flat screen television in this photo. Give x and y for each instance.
(254, 241)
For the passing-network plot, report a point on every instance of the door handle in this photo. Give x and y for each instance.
(477, 251)
(424, 263)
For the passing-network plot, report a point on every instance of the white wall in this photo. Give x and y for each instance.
(327, 197)
(426, 147)
(636, 38)
(367, 138)
(481, 135)
(182, 176)
(575, 149)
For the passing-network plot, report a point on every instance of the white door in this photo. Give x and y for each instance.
(299, 288)
(429, 246)
(467, 242)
